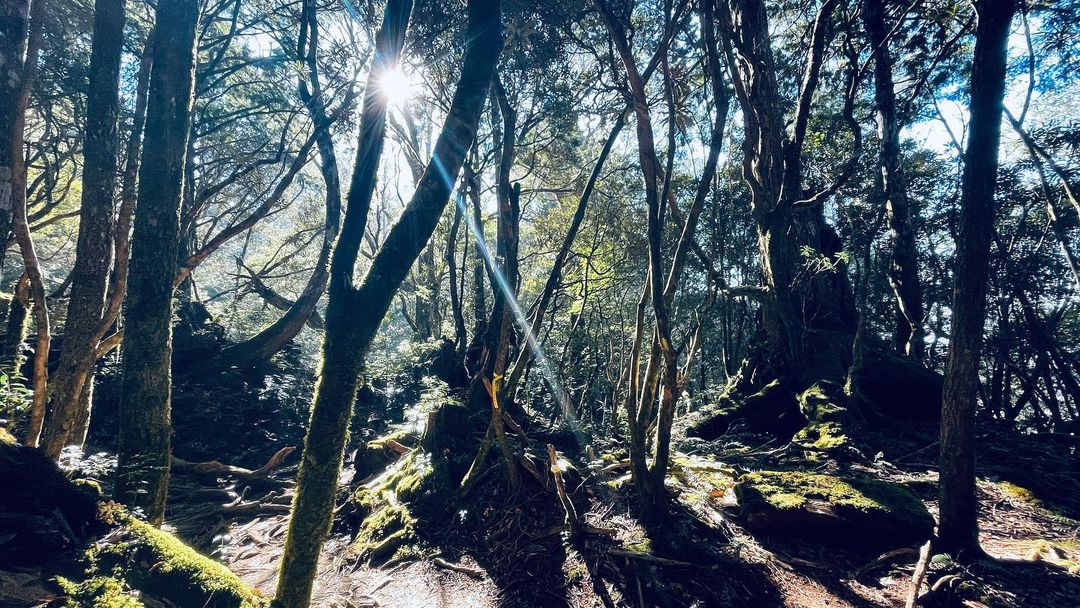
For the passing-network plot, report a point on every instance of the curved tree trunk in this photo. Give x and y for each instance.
(904, 271)
(354, 314)
(20, 224)
(271, 339)
(145, 419)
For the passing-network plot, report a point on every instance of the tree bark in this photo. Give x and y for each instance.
(94, 248)
(354, 314)
(20, 224)
(958, 527)
(145, 418)
(909, 334)
(14, 32)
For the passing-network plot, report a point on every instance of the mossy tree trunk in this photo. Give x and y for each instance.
(145, 418)
(14, 32)
(797, 300)
(94, 248)
(958, 525)
(354, 314)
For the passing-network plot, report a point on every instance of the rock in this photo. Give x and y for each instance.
(842, 511)
(41, 511)
(772, 409)
(901, 388)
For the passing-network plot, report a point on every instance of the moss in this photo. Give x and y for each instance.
(159, 564)
(704, 479)
(643, 545)
(823, 436)
(575, 572)
(392, 502)
(791, 489)
(827, 420)
(1020, 493)
(7, 438)
(784, 498)
(98, 592)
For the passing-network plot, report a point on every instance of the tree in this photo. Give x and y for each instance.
(145, 419)
(904, 270)
(958, 522)
(94, 250)
(354, 313)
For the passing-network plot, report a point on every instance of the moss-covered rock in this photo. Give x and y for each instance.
(98, 592)
(834, 509)
(393, 504)
(772, 409)
(160, 565)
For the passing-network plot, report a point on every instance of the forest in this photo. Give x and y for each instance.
(539, 303)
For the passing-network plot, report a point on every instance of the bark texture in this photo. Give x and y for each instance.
(958, 526)
(909, 335)
(94, 248)
(145, 417)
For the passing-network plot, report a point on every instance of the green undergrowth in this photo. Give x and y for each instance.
(138, 556)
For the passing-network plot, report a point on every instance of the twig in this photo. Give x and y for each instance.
(648, 557)
(473, 572)
(918, 576)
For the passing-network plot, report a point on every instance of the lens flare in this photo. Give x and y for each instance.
(543, 364)
(395, 86)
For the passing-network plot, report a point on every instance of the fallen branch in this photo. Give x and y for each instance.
(570, 519)
(215, 468)
(648, 557)
(918, 576)
(473, 572)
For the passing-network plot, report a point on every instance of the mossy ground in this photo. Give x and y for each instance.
(98, 592)
(155, 562)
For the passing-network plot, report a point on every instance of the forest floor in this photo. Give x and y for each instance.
(529, 563)
(512, 549)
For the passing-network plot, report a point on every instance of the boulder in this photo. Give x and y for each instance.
(849, 511)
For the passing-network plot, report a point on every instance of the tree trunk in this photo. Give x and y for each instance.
(271, 339)
(555, 276)
(14, 31)
(21, 226)
(94, 249)
(904, 271)
(354, 314)
(958, 527)
(143, 470)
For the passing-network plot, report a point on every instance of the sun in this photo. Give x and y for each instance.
(395, 86)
